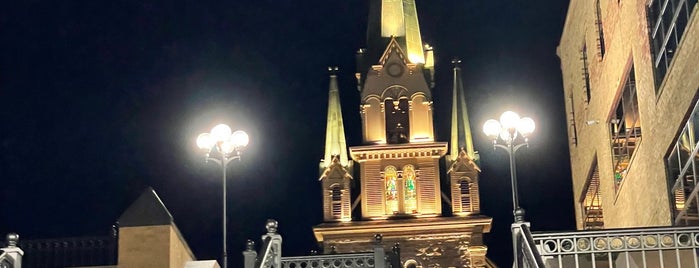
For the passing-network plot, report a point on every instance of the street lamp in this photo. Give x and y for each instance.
(223, 146)
(508, 129)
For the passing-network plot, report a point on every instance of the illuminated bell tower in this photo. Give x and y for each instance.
(335, 167)
(399, 161)
(462, 169)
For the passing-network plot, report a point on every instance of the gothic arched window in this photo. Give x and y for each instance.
(465, 187)
(391, 189)
(409, 190)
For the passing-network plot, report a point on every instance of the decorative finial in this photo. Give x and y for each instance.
(519, 215)
(456, 62)
(272, 226)
(333, 70)
(396, 248)
(378, 238)
(12, 239)
(250, 245)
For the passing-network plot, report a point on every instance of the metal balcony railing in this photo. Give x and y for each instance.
(527, 255)
(643, 247)
(270, 255)
(355, 260)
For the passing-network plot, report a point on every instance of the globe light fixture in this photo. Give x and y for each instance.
(508, 130)
(223, 146)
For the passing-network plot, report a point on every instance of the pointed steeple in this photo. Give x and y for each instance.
(398, 19)
(461, 138)
(335, 143)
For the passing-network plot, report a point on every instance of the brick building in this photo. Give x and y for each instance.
(631, 81)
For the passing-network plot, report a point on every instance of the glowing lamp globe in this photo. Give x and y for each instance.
(492, 128)
(525, 126)
(509, 120)
(221, 133)
(240, 139)
(227, 147)
(204, 141)
(506, 135)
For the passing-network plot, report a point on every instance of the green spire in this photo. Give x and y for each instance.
(461, 138)
(335, 143)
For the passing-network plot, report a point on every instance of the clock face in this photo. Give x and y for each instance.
(394, 69)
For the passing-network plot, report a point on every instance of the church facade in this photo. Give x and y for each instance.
(396, 171)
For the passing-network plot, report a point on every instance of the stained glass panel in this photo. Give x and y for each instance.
(410, 200)
(391, 191)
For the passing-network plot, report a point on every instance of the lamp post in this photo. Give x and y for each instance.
(223, 146)
(508, 129)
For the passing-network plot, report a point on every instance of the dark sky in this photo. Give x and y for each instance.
(100, 99)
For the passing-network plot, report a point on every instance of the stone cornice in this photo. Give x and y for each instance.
(398, 151)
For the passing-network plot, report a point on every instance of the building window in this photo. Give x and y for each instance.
(397, 121)
(391, 192)
(600, 29)
(682, 167)
(336, 198)
(591, 204)
(585, 72)
(625, 127)
(667, 20)
(572, 128)
(410, 193)
(465, 187)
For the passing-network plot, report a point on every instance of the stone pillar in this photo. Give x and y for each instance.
(249, 255)
(13, 251)
(477, 255)
(379, 252)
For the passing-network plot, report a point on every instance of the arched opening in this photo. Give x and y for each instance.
(397, 120)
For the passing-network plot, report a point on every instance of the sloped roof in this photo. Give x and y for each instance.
(147, 210)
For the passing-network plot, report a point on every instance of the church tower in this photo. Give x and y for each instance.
(335, 168)
(399, 170)
(462, 168)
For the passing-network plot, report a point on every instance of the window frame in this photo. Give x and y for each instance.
(620, 142)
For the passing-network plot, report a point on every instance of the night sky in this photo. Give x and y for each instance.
(100, 99)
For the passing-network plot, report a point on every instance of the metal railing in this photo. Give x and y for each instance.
(527, 254)
(643, 247)
(352, 260)
(270, 255)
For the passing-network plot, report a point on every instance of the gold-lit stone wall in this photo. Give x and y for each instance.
(152, 246)
(337, 179)
(429, 242)
(393, 79)
(373, 160)
(642, 199)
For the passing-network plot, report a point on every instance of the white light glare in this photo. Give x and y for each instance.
(221, 132)
(509, 120)
(240, 139)
(205, 141)
(525, 126)
(492, 128)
